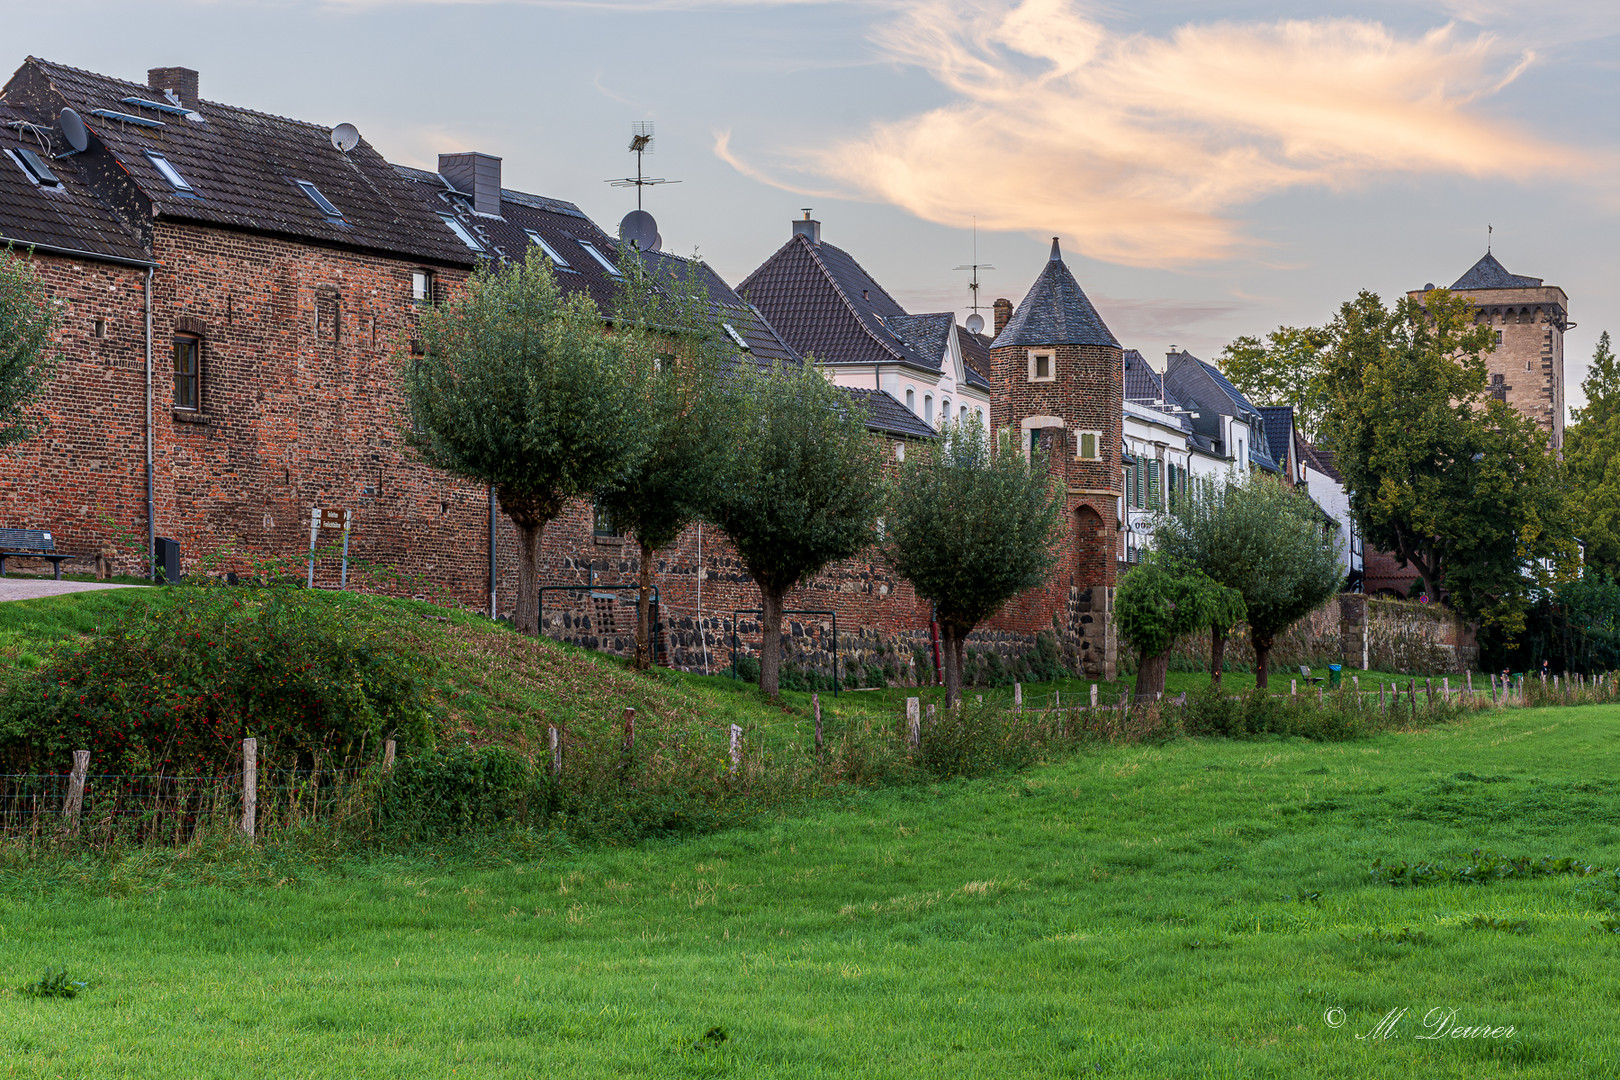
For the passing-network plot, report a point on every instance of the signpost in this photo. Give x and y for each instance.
(329, 519)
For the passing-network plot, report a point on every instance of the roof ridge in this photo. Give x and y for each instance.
(832, 279)
(200, 101)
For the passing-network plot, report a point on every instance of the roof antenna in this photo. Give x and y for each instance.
(639, 228)
(975, 321)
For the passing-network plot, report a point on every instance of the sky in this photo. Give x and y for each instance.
(1212, 169)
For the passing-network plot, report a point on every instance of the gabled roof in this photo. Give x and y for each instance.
(976, 357)
(923, 335)
(1279, 422)
(1200, 385)
(69, 216)
(1490, 274)
(885, 414)
(242, 166)
(1055, 311)
(1315, 457)
(764, 345)
(1142, 383)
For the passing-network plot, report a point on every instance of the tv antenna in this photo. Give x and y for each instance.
(641, 142)
(975, 321)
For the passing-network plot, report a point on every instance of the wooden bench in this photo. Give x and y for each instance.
(1305, 673)
(29, 544)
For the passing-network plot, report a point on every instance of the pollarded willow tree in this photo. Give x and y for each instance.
(801, 488)
(1266, 540)
(664, 319)
(27, 320)
(524, 390)
(1163, 599)
(971, 526)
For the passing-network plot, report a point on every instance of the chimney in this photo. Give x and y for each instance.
(1003, 313)
(809, 228)
(178, 84)
(478, 175)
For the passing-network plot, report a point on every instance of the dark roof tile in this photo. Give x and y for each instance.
(68, 217)
(887, 415)
(1490, 274)
(1056, 311)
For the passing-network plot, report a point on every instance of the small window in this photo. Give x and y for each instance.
(98, 328)
(422, 286)
(738, 338)
(550, 252)
(590, 249)
(317, 198)
(37, 170)
(945, 412)
(187, 371)
(1087, 445)
(1040, 367)
(963, 416)
(911, 399)
(899, 451)
(1499, 339)
(178, 182)
(461, 231)
(602, 522)
(928, 408)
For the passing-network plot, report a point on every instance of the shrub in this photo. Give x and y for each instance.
(447, 793)
(875, 676)
(974, 741)
(1044, 663)
(174, 686)
(748, 669)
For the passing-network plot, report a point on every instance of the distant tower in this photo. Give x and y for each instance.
(1529, 320)
(1059, 385)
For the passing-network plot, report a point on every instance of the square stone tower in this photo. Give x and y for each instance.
(1529, 320)
(1058, 384)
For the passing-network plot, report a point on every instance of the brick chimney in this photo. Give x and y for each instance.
(478, 175)
(808, 228)
(1004, 311)
(179, 81)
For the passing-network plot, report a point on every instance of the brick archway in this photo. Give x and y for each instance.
(1093, 553)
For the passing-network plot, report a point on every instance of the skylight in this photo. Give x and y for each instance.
(156, 106)
(738, 338)
(170, 173)
(590, 249)
(36, 169)
(461, 230)
(551, 253)
(318, 199)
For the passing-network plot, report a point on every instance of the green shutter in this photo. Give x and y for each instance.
(1153, 483)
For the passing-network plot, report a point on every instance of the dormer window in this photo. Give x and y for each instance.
(462, 232)
(315, 196)
(557, 261)
(590, 249)
(167, 170)
(1040, 367)
(37, 170)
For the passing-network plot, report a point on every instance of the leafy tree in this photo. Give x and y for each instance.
(27, 320)
(1592, 456)
(524, 390)
(1163, 599)
(801, 489)
(1288, 368)
(1264, 539)
(971, 526)
(1459, 486)
(669, 328)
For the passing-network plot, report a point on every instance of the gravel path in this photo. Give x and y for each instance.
(33, 588)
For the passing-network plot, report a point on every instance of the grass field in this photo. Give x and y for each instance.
(1195, 909)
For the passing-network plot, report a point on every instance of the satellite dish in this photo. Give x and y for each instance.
(345, 137)
(975, 323)
(640, 231)
(73, 130)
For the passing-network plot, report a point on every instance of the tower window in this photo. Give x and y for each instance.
(1040, 367)
(1088, 445)
(1499, 339)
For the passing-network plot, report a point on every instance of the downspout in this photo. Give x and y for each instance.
(151, 502)
(492, 552)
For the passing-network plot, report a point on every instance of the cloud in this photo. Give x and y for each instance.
(1141, 149)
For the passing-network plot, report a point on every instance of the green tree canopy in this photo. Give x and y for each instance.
(971, 526)
(1264, 539)
(27, 320)
(1592, 456)
(1459, 486)
(801, 489)
(1161, 600)
(1287, 368)
(524, 390)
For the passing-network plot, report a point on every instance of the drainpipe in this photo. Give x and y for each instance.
(151, 503)
(492, 552)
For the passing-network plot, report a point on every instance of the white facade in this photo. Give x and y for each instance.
(933, 396)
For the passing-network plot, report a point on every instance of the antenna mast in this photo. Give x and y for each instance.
(975, 266)
(641, 142)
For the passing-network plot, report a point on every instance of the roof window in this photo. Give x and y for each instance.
(461, 231)
(590, 249)
(551, 253)
(319, 200)
(39, 172)
(738, 338)
(170, 173)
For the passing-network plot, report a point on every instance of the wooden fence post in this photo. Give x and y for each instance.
(388, 755)
(1018, 696)
(1057, 699)
(1469, 675)
(913, 722)
(1093, 695)
(556, 749)
(75, 792)
(815, 699)
(1293, 687)
(736, 747)
(1445, 689)
(250, 785)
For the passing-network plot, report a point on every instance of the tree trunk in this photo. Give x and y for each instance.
(529, 513)
(770, 649)
(644, 647)
(961, 658)
(1217, 655)
(1262, 660)
(1150, 676)
(953, 664)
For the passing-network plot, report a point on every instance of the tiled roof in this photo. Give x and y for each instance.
(242, 167)
(765, 345)
(1317, 458)
(922, 336)
(1056, 312)
(1490, 274)
(887, 415)
(68, 216)
(976, 357)
(1198, 384)
(1279, 423)
(1142, 383)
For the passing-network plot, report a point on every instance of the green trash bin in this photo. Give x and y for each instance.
(1333, 674)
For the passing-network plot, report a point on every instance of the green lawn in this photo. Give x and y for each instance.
(1195, 909)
